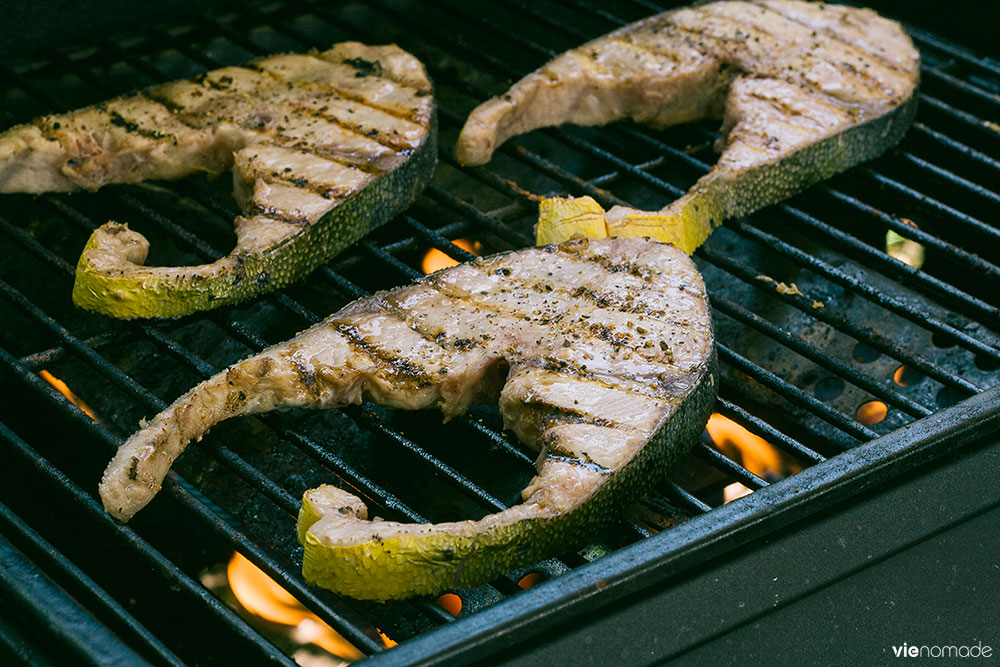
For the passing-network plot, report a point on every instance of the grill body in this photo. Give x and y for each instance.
(683, 576)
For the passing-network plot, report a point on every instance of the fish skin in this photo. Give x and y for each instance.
(600, 352)
(349, 136)
(805, 90)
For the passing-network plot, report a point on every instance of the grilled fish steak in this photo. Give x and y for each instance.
(322, 146)
(805, 89)
(603, 358)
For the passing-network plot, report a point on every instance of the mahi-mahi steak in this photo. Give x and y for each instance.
(601, 353)
(805, 90)
(323, 147)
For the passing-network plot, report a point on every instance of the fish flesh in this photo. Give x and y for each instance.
(323, 147)
(601, 353)
(805, 90)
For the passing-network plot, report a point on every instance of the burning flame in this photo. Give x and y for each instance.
(435, 260)
(872, 412)
(451, 603)
(531, 580)
(64, 389)
(734, 491)
(753, 452)
(261, 595)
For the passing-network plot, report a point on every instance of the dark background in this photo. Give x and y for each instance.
(38, 26)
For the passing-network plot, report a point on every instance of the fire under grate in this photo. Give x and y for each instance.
(827, 342)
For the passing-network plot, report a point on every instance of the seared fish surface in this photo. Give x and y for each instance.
(601, 353)
(322, 147)
(805, 90)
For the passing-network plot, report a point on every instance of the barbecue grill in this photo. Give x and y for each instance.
(876, 381)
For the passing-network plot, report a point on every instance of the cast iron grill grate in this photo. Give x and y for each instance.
(797, 364)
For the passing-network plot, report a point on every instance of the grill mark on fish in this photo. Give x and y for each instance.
(582, 461)
(674, 57)
(367, 164)
(867, 80)
(448, 343)
(324, 190)
(560, 414)
(380, 357)
(347, 95)
(394, 142)
(583, 325)
(256, 208)
(307, 376)
(116, 119)
(833, 36)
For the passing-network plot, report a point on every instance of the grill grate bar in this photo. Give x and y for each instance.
(687, 499)
(761, 428)
(954, 144)
(842, 324)
(935, 285)
(972, 261)
(966, 87)
(137, 544)
(460, 481)
(966, 220)
(80, 584)
(722, 462)
(813, 353)
(794, 394)
(957, 114)
(43, 604)
(890, 303)
(52, 355)
(953, 179)
(111, 372)
(249, 474)
(923, 37)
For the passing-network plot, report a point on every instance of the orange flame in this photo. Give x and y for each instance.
(872, 412)
(531, 580)
(261, 595)
(451, 603)
(64, 389)
(754, 453)
(435, 260)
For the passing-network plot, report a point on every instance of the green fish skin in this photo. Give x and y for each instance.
(805, 90)
(602, 356)
(323, 147)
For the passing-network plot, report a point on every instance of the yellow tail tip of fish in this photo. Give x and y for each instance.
(561, 218)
